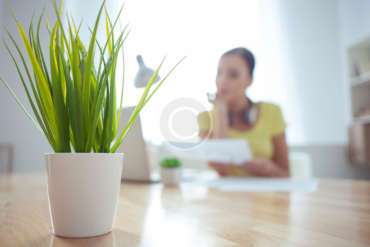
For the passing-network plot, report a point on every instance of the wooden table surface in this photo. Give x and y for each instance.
(337, 214)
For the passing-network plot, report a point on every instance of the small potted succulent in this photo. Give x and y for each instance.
(72, 89)
(170, 171)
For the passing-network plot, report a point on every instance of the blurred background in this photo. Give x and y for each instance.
(313, 59)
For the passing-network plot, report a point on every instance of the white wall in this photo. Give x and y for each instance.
(354, 22)
(15, 127)
(1, 13)
(309, 37)
(319, 32)
(311, 48)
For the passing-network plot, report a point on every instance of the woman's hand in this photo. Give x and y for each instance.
(255, 167)
(221, 121)
(220, 102)
(265, 168)
(220, 168)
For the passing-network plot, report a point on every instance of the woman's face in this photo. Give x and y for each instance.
(233, 78)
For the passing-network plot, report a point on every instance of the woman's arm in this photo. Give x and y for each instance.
(278, 166)
(281, 156)
(221, 121)
(220, 168)
(218, 130)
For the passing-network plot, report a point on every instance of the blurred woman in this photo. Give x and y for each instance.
(234, 115)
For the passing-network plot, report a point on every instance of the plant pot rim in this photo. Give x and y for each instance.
(84, 154)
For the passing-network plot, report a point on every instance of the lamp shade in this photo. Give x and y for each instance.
(144, 73)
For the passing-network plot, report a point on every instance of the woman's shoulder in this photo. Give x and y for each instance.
(273, 117)
(204, 119)
(205, 115)
(270, 107)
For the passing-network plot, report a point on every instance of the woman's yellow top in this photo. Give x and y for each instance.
(269, 123)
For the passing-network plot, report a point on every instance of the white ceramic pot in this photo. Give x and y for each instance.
(300, 166)
(171, 176)
(83, 191)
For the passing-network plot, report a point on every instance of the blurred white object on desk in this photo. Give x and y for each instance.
(234, 184)
(300, 166)
(236, 151)
(264, 184)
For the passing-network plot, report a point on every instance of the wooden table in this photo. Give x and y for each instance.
(337, 214)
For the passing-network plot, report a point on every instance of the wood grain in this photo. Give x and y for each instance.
(337, 214)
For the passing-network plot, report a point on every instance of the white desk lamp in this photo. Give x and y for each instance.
(144, 73)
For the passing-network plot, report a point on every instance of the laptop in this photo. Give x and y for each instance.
(136, 164)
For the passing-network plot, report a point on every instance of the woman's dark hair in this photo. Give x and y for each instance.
(246, 55)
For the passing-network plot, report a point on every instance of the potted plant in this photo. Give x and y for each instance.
(170, 171)
(72, 94)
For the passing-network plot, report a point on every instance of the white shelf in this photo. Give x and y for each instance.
(361, 79)
(364, 119)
